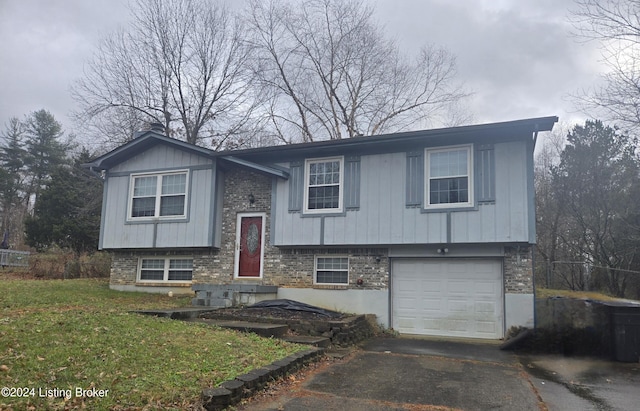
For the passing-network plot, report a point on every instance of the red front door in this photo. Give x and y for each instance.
(250, 247)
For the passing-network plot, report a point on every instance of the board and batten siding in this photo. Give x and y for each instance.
(196, 231)
(385, 217)
(160, 157)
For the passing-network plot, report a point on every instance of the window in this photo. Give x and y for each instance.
(449, 180)
(166, 269)
(158, 195)
(323, 185)
(332, 270)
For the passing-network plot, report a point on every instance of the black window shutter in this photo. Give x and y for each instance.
(415, 178)
(352, 183)
(485, 173)
(296, 185)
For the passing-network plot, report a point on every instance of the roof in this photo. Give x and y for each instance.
(508, 130)
(142, 143)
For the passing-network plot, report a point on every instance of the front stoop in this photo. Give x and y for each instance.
(232, 295)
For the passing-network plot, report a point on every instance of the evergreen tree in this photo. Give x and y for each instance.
(12, 174)
(67, 211)
(45, 150)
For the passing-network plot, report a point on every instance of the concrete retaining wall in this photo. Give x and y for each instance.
(573, 326)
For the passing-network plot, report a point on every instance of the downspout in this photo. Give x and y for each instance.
(533, 281)
(533, 246)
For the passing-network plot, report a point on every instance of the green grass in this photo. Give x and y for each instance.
(79, 333)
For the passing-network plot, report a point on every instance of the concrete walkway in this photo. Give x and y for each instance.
(432, 374)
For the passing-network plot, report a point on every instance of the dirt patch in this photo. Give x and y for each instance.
(290, 385)
(9, 274)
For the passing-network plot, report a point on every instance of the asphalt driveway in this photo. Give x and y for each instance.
(403, 373)
(431, 374)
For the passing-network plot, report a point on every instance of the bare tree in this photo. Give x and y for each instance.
(616, 24)
(181, 63)
(329, 72)
(549, 219)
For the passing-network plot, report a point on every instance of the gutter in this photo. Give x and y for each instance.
(90, 168)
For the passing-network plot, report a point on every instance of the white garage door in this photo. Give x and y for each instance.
(446, 297)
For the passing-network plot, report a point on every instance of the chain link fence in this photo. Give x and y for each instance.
(11, 258)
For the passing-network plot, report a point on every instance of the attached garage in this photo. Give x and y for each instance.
(448, 297)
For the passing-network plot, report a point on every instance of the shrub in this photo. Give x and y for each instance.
(95, 265)
(64, 264)
(49, 265)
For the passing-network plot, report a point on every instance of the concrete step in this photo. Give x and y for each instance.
(308, 340)
(262, 329)
(212, 302)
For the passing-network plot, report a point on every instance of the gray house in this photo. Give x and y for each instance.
(431, 230)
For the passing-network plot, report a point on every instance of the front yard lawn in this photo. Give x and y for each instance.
(61, 337)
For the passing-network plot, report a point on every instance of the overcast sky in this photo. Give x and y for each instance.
(518, 57)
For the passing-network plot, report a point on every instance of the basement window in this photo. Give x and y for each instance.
(332, 270)
(165, 270)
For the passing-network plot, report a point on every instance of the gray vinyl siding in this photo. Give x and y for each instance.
(160, 157)
(384, 218)
(194, 231)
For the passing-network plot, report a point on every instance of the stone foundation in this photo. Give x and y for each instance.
(368, 267)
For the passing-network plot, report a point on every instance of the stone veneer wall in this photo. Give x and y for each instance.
(295, 268)
(124, 267)
(518, 270)
(238, 184)
(282, 267)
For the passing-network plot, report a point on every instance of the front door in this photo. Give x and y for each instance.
(249, 246)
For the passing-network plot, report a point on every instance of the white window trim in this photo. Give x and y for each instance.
(307, 164)
(236, 259)
(315, 268)
(427, 177)
(166, 270)
(158, 196)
